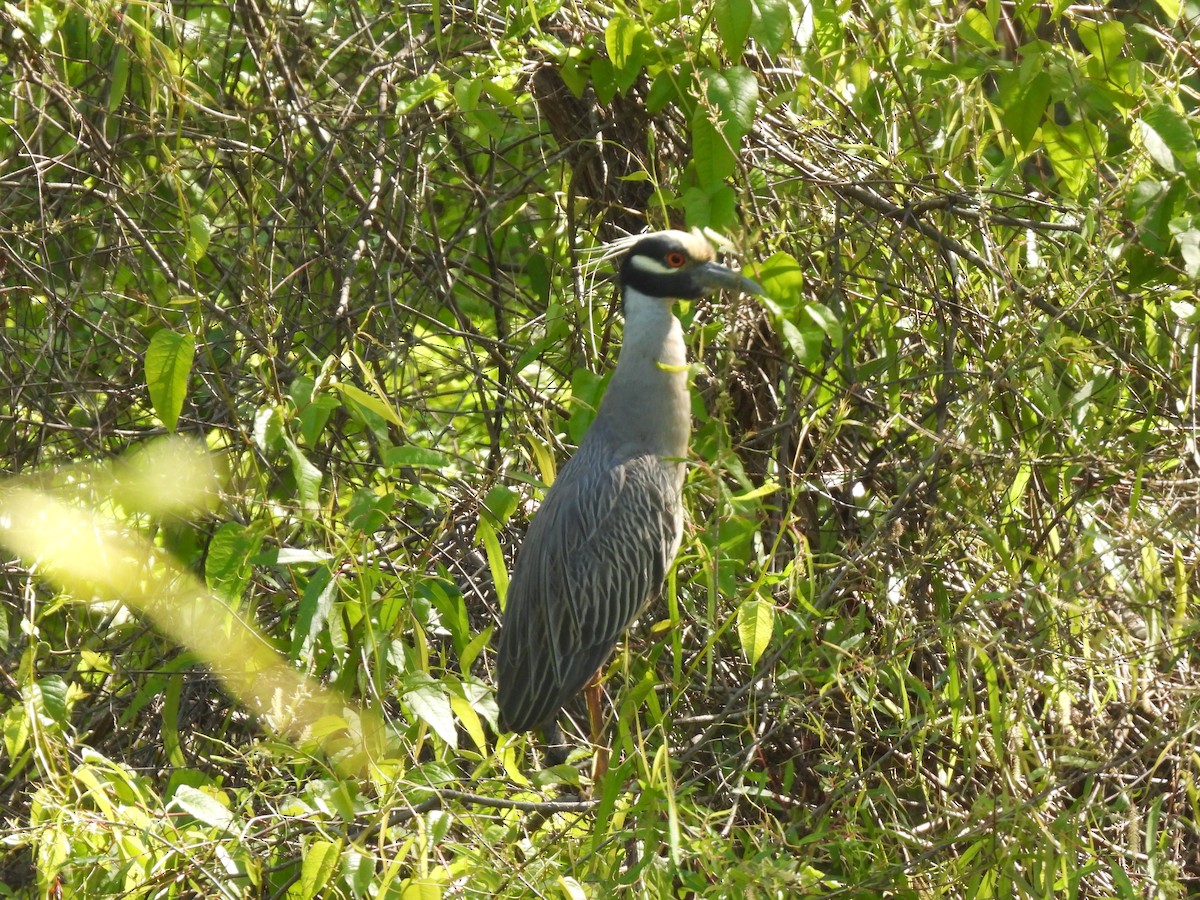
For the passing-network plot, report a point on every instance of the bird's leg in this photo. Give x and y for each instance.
(593, 693)
(556, 744)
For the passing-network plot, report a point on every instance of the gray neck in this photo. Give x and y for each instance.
(647, 407)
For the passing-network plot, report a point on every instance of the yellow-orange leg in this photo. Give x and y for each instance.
(596, 720)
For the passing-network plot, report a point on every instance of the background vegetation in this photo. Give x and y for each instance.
(932, 630)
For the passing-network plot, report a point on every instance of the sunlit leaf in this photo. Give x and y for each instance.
(976, 28)
(168, 366)
(375, 404)
(199, 233)
(413, 456)
(1024, 105)
(1073, 150)
(429, 702)
(782, 278)
(202, 806)
(416, 91)
(1103, 40)
(756, 624)
(320, 862)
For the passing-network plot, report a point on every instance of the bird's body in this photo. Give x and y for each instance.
(600, 546)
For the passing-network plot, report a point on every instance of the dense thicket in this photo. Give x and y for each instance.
(932, 630)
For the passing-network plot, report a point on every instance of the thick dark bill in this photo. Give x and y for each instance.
(715, 275)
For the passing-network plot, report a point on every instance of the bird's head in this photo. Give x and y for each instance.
(678, 265)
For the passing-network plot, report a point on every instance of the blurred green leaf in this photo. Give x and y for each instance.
(772, 23)
(416, 91)
(199, 233)
(976, 28)
(413, 456)
(1168, 138)
(227, 568)
(308, 477)
(368, 401)
(1103, 40)
(622, 40)
(501, 502)
(733, 18)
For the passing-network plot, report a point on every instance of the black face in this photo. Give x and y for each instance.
(661, 265)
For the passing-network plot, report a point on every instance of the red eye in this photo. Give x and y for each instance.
(675, 259)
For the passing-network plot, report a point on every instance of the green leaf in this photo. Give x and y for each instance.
(268, 428)
(320, 863)
(1103, 40)
(620, 37)
(1186, 231)
(227, 568)
(976, 28)
(782, 278)
(714, 207)
(663, 91)
(168, 365)
(417, 91)
(604, 79)
(420, 889)
(1024, 105)
(368, 401)
(368, 512)
(805, 343)
(734, 93)
(763, 490)
(51, 692)
(199, 234)
(118, 76)
(825, 319)
(1168, 137)
(501, 502)
(622, 41)
(415, 457)
(316, 605)
(485, 534)
(307, 475)
(772, 23)
(714, 158)
(1073, 150)
(202, 807)
(1171, 9)
(15, 726)
(734, 18)
(755, 624)
(429, 702)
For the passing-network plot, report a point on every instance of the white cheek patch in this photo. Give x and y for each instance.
(652, 265)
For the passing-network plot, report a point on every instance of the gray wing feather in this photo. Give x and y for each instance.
(596, 552)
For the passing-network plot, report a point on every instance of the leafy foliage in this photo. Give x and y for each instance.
(932, 628)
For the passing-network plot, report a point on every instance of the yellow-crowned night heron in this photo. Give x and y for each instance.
(599, 547)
